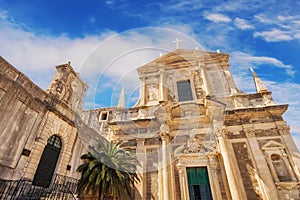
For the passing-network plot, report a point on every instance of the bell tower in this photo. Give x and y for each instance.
(67, 86)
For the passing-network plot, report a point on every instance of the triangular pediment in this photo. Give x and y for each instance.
(272, 145)
(181, 58)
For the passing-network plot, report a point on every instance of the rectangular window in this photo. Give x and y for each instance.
(198, 183)
(184, 90)
(68, 167)
(26, 152)
(103, 116)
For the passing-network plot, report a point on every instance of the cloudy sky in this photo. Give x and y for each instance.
(107, 40)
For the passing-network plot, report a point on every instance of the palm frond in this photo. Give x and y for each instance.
(110, 170)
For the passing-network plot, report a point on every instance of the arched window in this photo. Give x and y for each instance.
(280, 168)
(54, 141)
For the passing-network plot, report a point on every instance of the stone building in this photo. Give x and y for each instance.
(195, 134)
(37, 130)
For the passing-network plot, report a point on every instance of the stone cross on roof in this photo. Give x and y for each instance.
(177, 42)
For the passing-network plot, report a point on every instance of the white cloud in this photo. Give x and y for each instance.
(242, 24)
(35, 54)
(274, 35)
(216, 17)
(264, 19)
(3, 14)
(282, 21)
(110, 2)
(117, 4)
(278, 28)
(183, 6)
(247, 60)
(115, 57)
(92, 20)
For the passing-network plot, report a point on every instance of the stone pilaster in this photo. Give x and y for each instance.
(182, 181)
(140, 192)
(292, 150)
(233, 187)
(214, 183)
(162, 84)
(263, 176)
(165, 165)
(143, 90)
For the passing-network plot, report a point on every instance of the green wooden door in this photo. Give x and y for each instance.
(198, 183)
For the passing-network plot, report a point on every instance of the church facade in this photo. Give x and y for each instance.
(194, 133)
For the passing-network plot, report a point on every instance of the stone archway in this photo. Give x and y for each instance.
(48, 161)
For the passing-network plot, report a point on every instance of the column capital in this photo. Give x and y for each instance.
(164, 131)
(284, 130)
(212, 160)
(164, 136)
(140, 141)
(161, 68)
(180, 165)
(250, 133)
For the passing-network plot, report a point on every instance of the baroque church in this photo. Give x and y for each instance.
(194, 133)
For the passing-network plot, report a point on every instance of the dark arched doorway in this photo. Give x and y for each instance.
(47, 164)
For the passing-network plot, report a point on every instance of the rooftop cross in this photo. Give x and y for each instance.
(177, 42)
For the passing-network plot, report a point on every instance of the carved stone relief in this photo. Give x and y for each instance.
(198, 85)
(199, 143)
(152, 92)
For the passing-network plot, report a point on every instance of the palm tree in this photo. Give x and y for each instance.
(109, 171)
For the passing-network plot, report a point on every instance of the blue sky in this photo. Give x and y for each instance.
(36, 35)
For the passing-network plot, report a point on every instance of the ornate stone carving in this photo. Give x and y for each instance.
(152, 92)
(250, 133)
(255, 180)
(57, 88)
(171, 96)
(197, 143)
(288, 185)
(193, 143)
(198, 85)
(284, 130)
(192, 148)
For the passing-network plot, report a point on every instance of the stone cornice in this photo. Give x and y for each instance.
(280, 108)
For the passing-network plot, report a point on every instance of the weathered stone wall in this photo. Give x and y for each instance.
(245, 166)
(22, 110)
